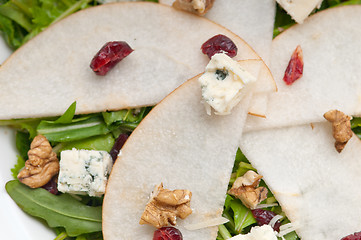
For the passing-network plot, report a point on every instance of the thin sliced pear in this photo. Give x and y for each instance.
(258, 105)
(183, 147)
(317, 187)
(253, 21)
(241, 17)
(331, 77)
(47, 74)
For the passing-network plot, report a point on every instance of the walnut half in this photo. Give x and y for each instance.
(165, 206)
(341, 127)
(199, 7)
(42, 164)
(246, 189)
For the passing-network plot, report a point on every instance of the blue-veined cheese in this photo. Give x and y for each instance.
(299, 9)
(224, 83)
(84, 171)
(264, 232)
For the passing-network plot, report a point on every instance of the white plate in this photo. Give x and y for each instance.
(14, 223)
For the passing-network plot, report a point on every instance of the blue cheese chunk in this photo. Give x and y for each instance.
(223, 83)
(84, 171)
(299, 9)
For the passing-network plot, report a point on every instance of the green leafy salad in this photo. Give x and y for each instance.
(71, 216)
(79, 216)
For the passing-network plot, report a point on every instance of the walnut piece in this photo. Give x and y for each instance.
(165, 206)
(341, 127)
(42, 164)
(246, 189)
(199, 7)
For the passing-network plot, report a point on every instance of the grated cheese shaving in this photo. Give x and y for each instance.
(274, 220)
(267, 205)
(208, 223)
(287, 228)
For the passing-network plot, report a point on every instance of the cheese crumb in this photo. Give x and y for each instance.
(264, 232)
(223, 83)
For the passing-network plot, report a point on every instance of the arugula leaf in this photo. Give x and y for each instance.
(356, 126)
(126, 115)
(23, 142)
(17, 167)
(58, 211)
(29, 125)
(291, 236)
(356, 122)
(127, 119)
(13, 34)
(100, 143)
(68, 116)
(89, 126)
(13, 12)
(242, 215)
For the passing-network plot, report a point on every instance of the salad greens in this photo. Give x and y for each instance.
(96, 131)
(240, 217)
(59, 211)
(20, 20)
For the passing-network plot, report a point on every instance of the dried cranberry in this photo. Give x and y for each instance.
(167, 233)
(264, 217)
(51, 186)
(219, 44)
(118, 145)
(108, 56)
(294, 69)
(355, 236)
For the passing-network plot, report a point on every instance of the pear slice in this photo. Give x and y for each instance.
(331, 74)
(178, 144)
(317, 187)
(249, 19)
(47, 74)
(253, 21)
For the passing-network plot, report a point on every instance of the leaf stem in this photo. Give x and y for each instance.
(224, 232)
(61, 236)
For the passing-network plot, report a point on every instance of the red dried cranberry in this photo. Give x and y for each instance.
(51, 186)
(118, 145)
(294, 69)
(108, 56)
(355, 236)
(219, 44)
(264, 217)
(167, 233)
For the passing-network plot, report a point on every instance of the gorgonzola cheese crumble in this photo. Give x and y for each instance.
(299, 9)
(223, 83)
(84, 171)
